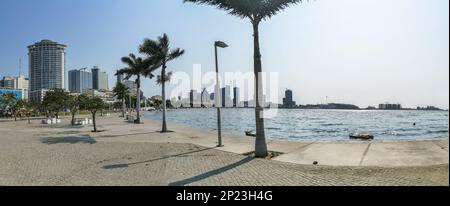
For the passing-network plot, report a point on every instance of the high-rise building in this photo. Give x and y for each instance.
(21, 83)
(120, 78)
(132, 87)
(47, 66)
(205, 98)
(226, 97)
(195, 99)
(80, 80)
(7, 82)
(236, 97)
(99, 79)
(288, 100)
(192, 95)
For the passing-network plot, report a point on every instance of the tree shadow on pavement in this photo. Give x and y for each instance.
(118, 166)
(211, 173)
(84, 139)
(125, 135)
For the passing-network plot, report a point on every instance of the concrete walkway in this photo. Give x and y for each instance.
(375, 153)
(130, 155)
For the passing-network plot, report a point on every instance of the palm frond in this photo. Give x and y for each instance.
(128, 61)
(157, 56)
(256, 10)
(175, 53)
(128, 72)
(149, 47)
(167, 77)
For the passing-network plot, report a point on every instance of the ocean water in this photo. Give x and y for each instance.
(319, 124)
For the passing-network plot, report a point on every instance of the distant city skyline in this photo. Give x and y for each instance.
(351, 51)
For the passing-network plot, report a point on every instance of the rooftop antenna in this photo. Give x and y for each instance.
(20, 67)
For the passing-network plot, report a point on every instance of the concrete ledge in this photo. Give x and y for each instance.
(405, 154)
(375, 153)
(337, 154)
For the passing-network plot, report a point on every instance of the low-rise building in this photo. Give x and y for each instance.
(17, 92)
(16, 83)
(388, 106)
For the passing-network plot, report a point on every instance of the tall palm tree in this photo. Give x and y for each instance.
(121, 92)
(136, 67)
(160, 54)
(256, 11)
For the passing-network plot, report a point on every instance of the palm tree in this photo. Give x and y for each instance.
(256, 11)
(160, 54)
(28, 109)
(8, 101)
(18, 108)
(121, 92)
(136, 67)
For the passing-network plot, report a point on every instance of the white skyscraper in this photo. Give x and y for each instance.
(47, 66)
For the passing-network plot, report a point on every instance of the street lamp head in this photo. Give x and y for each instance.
(221, 44)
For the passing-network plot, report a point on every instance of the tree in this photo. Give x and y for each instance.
(23, 108)
(121, 92)
(55, 101)
(159, 53)
(256, 11)
(28, 109)
(136, 67)
(8, 100)
(93, 104)
(74, 104)
(18, 108)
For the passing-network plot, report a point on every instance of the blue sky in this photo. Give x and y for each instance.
(363, 52)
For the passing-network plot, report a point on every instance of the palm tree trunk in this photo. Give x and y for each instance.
(93, 121)
(123, 107)
(73, 118)
(260, 143)
(163, 88)
(129, 103)
(138, 102)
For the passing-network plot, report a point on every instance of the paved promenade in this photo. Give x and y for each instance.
(128, 154)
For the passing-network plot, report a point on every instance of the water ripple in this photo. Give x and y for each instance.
(320, 124)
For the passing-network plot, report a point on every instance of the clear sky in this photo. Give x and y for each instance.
(363, 52)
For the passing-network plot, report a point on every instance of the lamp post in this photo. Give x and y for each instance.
(219, 119)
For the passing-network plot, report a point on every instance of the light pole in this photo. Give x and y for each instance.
(219, 119)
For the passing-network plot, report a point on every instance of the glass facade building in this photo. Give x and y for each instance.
(288, 101)
(47, 65)
(99, 79)
(79, 81)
